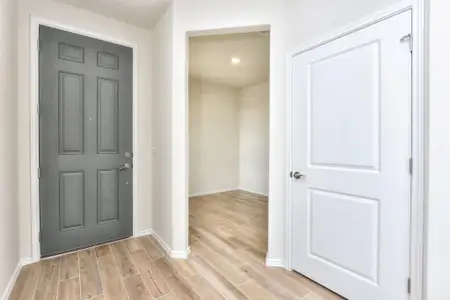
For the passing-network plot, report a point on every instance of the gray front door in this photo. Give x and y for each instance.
(85, 127)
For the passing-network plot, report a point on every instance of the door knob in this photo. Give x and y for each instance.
(125, 167)
(297, 175)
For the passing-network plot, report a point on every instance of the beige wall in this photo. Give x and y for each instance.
(253, 102)
(9, 250)
(87, 21)
(213, 138)
(162, 133)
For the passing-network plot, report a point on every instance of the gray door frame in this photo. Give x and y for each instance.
(35, 22)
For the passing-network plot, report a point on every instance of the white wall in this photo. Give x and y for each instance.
(309, 20)
(162, 124)
(438, 231)
(213, 138)
(9, 250)
(201, 15)
(253, 102)
(77, 18)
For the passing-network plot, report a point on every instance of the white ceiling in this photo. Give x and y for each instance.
(210, 58)
(142, 13)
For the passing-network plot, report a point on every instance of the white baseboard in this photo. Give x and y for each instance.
(181, 254)
(270, 262)
(171, 253)
(14, 277)
(144, 232)
(212, 192)
(253, 192)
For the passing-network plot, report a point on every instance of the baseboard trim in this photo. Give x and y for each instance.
(253, 192)
(144, 232)
(212, 192)
(270, 262)
(15, 275)
(171, 253)
(181, 254)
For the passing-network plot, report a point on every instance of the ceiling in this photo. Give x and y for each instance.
(142, 13)
(210, 58)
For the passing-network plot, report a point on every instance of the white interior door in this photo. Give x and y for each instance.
(352, 141)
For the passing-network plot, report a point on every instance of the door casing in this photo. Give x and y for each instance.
(35, 22)
(419, 129)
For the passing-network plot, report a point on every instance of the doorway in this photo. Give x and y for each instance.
(229, 140)
(85, 141)
(351, 150)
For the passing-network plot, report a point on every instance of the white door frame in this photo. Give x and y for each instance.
(35, 22)
(419, 129)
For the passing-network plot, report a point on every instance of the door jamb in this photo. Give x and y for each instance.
(419, 129)
(35, 22)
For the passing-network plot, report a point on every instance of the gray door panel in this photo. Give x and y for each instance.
(85, 130)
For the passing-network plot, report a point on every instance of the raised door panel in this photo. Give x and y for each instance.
(343, 232)
(71, 52)
(71, 113)
(108, 116)
(108, 195)
(107, 60)
(344, 109)
(71, 200)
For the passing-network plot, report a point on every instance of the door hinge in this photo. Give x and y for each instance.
(408, 38)
(38, 110)
(411, 164)
(40, 236)
(39, 172)
(409, 285)
(38, 45)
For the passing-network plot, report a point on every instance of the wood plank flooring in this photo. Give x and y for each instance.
(228, 238)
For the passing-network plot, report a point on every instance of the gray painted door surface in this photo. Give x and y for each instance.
(85, 129)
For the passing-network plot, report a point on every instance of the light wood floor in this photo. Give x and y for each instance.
(228, 237)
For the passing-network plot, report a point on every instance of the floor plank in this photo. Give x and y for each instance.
(123, 260)
(150, 248)
(69, 289)
(69, 266)
(109, 275)
(181, 289)
(26, 284)
(252, 291)
(89, 278)
(136, 288)
(155, 282)
(47, 288)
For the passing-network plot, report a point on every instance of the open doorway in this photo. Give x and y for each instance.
(229, 142)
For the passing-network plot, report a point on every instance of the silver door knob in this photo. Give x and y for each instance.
(297, 175)
(125, 167)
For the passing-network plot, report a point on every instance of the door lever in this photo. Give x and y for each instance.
(125, 167)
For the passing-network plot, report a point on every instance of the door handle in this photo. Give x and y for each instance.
(125, 167)
(297, 175)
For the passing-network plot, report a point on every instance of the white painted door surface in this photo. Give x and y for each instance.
(351, 137)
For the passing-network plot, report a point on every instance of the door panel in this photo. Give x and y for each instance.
(351, 139)
(71, 113)
(108, 195)
(85, 129)
(108, 110)
(71, 200)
